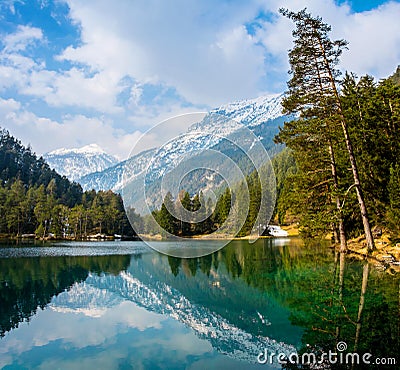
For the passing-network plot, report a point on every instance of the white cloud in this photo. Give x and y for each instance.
(72, 131)
(373, 36)
(138, 63)
(74, 88)
(8, 106)
(207, 60)
(7, 77)
(374, 41)
(24, 36)
(210, 60)
(135, 94)
(39, 83)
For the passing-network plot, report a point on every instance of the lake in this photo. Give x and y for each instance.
(121, 305)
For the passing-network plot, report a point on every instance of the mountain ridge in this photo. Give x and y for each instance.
(261, 115)
(77, 162)
(88, 149)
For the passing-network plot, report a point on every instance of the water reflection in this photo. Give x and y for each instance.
(218, 311)
(27, 284)
(353, 309)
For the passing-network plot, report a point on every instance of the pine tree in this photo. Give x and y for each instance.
(186, 203)
(28, 206)
(222, 208)
(3, 209)
(198, 213)
(165, 219)
(76, 220)
(14, 215)
(42, 211)
(313, 192)
(314, 94)
(394, 199)
(373, 113)
(97, 212)
(285, 168)
(34, 198)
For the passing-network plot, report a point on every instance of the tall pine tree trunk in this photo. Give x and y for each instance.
(360, 196)
(342, 233)
(349, 146)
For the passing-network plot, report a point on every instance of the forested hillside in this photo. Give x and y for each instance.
(18, 162)
(36, 199)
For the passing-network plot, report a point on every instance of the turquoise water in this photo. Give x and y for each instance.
(120, 305)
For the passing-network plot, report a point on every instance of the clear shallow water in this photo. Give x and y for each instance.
(112, 305)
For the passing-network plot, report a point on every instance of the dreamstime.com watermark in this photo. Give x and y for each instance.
(330, 357)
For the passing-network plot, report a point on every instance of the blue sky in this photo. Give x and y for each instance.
(74, 72)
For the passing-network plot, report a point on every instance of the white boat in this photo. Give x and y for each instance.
(277, 231)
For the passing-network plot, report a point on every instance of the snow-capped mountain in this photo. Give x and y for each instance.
(262, 116)
(78, 162)
(112, 177)
(252, 112)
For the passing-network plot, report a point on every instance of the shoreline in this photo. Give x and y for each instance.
(89, 238)
(385, 254)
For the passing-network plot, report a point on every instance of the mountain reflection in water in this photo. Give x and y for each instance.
(147, 310)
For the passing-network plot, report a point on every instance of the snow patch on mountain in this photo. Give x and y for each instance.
(77, 162)
(87, 149)
(113, 177)
(252, 112)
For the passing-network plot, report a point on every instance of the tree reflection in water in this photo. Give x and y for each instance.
(27, 284)
(333, 297)
(305, 295)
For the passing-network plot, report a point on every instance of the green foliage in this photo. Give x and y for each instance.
(373, 113)
(37, 211)
(222, 208)
(315, 137)
(344, 143)
(165, 219)
(393, 213)
(18, 162)
(40, 231)
(186, 203)
(35, 199)
(254, 187)
(313, 60)
(285, 169)
(171, 225)
(243, 205)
